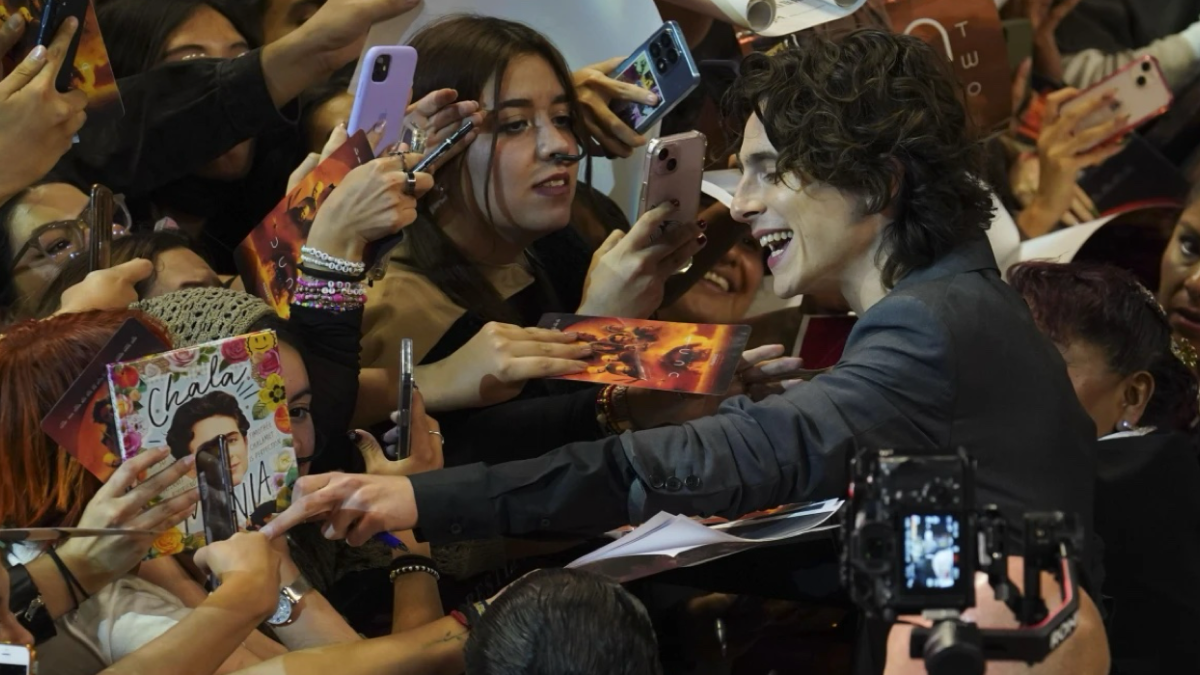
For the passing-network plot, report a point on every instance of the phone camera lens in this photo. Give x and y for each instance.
(380, 72)
(1141, 80)
(663, 154)
(661, 65)
(655, 50)
(672, 164)
(665, 40)
(1146, 66)
(672, 56)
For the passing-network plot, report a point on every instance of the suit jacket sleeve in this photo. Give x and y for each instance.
(893, 386)
(178, 117)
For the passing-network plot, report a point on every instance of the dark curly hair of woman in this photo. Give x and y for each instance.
(879, 115)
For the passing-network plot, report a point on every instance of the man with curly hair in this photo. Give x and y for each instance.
(859, 175)
(204, 419)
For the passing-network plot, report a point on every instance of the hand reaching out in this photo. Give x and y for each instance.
(596, 91)
(112, 288)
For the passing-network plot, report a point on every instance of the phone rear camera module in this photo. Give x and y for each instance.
(665, 40)
(655, 50)
(672, 164)
(661, 65)
(380, 72)
(664, 154)
(1141, 80)
(672, 56)
(1146, 66)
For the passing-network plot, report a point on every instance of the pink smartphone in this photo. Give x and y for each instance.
(384, 88)
(1141, 92)
(674, 169)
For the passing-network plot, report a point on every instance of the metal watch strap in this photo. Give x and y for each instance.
(293, 593)
(25, 601)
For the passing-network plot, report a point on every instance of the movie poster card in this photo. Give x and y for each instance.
(83, 421)
(689, 358)
(187, 398)
(269, 257)
(92, 71)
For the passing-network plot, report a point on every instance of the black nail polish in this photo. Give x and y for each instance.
(702, 239)
(702, 225)
(352, 436)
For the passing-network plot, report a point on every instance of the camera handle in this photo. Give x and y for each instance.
(954, 647)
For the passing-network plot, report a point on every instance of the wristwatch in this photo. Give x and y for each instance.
(288, 609)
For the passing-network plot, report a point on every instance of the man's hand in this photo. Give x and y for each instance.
(354, 507)
(37, 122)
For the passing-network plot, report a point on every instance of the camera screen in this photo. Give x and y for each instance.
(932, 551)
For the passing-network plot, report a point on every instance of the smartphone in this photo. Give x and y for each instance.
(674, 169)
(54, 13)
(16, 660)
(1141, 92)
(100, 228)
(383, 93)
(664, 65)
(1018, 36)
(215, 483)
(407, 387)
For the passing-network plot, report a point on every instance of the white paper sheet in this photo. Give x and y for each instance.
(1061, 246)
(792, 16)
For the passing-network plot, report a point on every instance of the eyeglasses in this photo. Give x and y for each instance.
(58, 242)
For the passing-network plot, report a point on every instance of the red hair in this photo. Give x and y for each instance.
(41, 485)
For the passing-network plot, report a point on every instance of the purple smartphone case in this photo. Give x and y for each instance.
(375, 102)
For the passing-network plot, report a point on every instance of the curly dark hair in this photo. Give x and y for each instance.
(213, 404)
(1108, 307)
(882, 116)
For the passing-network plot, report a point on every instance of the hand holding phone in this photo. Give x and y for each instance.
(100, 228)
(662, 65)
(1135, 94)
(54, 14)
(404, 414)
(215, 482)
(383, 92)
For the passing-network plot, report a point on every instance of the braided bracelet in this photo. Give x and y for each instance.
(309, 254)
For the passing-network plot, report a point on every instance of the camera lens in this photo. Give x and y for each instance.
(655, 50)
(661, 65)
(665, 40)
(1141, 80)
(1146, 66)
(671, 164)
(672, 56)
(380, 72)
(663, 154)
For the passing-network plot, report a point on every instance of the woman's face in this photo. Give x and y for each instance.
(209, 429)
(207, 34)
(180, 268)
(44, 204)
(530, 194)
(1104, 393)
(726, 292)
(304, 435)
(1179, 285)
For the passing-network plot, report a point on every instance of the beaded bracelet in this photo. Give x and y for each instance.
(328, 295)
(309, 254)
(608, 414)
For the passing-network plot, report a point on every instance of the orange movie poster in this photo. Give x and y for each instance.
(91, 71)
(691, 358)
(267, 259)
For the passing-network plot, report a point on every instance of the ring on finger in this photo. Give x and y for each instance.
(439, 435)
(410, 183)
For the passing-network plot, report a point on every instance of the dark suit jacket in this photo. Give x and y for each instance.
(949, 358)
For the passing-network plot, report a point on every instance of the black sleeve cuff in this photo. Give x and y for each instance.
(454, 505)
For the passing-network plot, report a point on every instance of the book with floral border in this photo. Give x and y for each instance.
(186, 398)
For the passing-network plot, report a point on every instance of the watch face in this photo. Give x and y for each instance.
(283, 611)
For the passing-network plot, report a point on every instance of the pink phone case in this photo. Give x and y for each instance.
(674, 169)
(1141, 92)
(384, 87)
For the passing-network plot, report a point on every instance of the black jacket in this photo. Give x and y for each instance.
(951, 357)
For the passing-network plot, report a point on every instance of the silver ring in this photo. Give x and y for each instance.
(439, 435)
(410, 184)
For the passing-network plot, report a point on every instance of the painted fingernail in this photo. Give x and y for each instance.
(15, 22)
(652, 98)
(702, 239)
(675, 203)
(702, 225)
(190, 460)
(38, 54)
(352, 436)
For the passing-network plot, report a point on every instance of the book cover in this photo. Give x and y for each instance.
(92, 70)
(186, 398)
(83, 422)
(692, 358)
(268, 257)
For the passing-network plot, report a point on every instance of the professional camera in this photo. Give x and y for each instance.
(914, 541)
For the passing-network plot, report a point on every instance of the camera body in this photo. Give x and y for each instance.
(911, 527)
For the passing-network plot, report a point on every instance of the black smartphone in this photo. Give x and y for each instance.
(407, 387)
(215, 482)
(54, 13)
(100, 228)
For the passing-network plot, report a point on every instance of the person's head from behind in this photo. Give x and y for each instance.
(40, 483)
(177, 265)
(857, 154)
(200, 315)
(148, 34)
(563, 621)
(201, 421)
(1116, 342)
(508, 177)
(43, 229)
